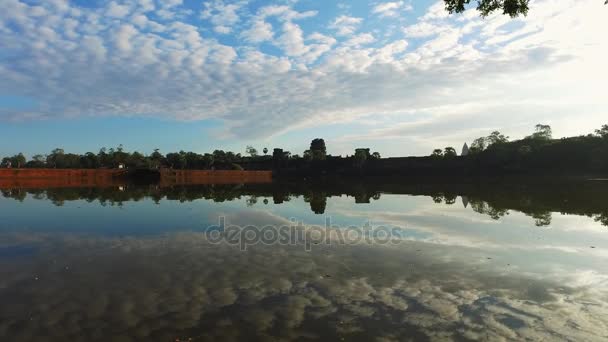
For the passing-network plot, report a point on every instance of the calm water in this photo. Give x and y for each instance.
(353, 262)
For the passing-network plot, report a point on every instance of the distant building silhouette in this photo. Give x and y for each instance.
(465, 150)
(465, 200)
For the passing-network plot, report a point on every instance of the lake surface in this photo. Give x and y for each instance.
(282, 262)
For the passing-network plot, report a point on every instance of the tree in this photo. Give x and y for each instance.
(103, 157)
(265, 150)
(219, 157)
(156, 158)
(602, 132)
(307, 155)
(449, 152)
(6, 162)
(251, 151)
(56, 158)
(177, 160)
(18, 160)
(89, 161)
(119, 156)
(479, 145)
(376, 155)
(437, 153)
(496, 138)
(543, 132)
(513, 8)
(318, 149)
(38, 161)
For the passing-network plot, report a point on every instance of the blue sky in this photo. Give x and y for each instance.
(400, 77)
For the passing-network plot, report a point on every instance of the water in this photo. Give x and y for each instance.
(397, 262)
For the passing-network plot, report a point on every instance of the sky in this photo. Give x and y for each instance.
(399, 77)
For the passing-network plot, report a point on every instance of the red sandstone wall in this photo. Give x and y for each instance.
(36, 178)
(46, 178)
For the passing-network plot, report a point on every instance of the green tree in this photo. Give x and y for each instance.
(157, 159)
(251, 151)
(38, 161)
(137, 160)
(19, 160)
(6, 162)
(513, 8)
(177, 160)
(90, 161)
(265, 150)
(103, 157)
(219, 157)
(119, 156)
(376, 155)
(56, 159)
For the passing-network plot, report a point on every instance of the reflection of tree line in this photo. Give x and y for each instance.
(493, 210)
(538, 201)
(495, 200)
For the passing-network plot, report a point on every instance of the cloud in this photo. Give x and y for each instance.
(123, 37)
(156, 59)
(360, 39)
(260, 31)
(391, 9)
(222, 15)
(117, 11)
(345, 25)
(422, 30)
(284, 13)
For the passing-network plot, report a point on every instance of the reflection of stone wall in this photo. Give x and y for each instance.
(45, 178)
(173, 177)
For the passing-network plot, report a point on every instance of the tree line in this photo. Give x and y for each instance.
(217, 160)
(495, 151)
(118, 157)
(542, 136)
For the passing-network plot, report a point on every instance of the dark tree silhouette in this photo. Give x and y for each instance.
(603, 132)
(513, 8)
(449, 152)
(318, 149)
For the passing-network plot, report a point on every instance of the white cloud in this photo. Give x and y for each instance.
(360, 39)
(292, 40)
(259, 31)
(423, 29)
(117, 11)
(391, 9)
(146, 5)
(284, 13)
(345, 25)
(222, 15)
(123, 37)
